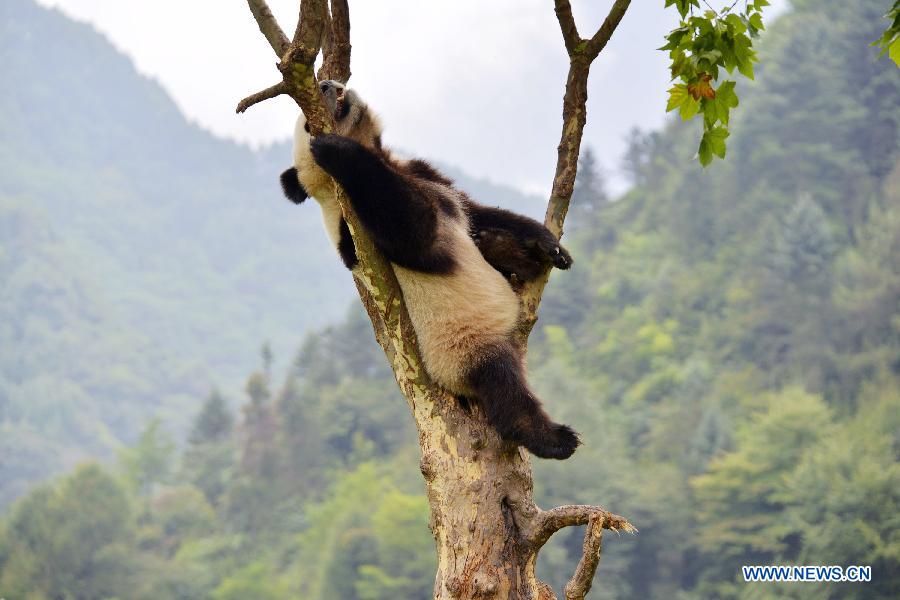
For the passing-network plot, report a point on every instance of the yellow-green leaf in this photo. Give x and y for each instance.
(678, 93)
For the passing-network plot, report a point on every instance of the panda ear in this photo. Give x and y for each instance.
(292, 187)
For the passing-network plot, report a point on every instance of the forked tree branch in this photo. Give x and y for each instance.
(336, 47)
(581, 55)
(548, 522)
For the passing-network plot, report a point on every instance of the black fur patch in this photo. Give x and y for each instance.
(420, 168)
(514, 244)
(346, 247)
(400, 215)
(292, 187)
(512, 409)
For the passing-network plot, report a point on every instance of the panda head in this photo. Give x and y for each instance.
(352, 118)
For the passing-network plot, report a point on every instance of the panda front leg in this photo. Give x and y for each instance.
(291, 186)
(498, 383)
(401, 219)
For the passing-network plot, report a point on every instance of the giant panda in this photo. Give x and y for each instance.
(456, 261)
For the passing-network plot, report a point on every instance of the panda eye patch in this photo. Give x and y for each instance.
(306, 127)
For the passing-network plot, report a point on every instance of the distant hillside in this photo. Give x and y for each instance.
(143, 259)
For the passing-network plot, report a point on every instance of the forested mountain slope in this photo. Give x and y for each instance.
(727, 343)
(142, 259)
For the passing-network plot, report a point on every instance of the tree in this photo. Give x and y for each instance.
(742, 497)
(149, 462)
(209, 457)
(214, 423)
(637, 155)
(70, 540)
(486, 525)
(589, 194)
(844, 497)
(805, 249)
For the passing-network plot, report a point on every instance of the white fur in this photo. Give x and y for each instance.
(316, 182)
(457, 317)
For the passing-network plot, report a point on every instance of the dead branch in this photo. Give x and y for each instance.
(548, 522)
(336, 46)
(270, 92)
(269, 26)
(309, 31)
(580, 583)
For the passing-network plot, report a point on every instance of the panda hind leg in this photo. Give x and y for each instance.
(515, 243)
(498, 383)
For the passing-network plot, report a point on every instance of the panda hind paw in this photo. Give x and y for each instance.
(557, 254)
(558, 442)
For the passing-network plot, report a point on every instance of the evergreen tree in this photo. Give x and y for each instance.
(806, 248)
(741, 499)
(69, 541)
(214, 423)
(589, 195)
(209, 458)
(637, 155)
(150, 461)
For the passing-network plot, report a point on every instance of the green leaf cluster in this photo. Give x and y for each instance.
(700, 49)
(889, 42)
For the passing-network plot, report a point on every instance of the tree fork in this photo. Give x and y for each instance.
(486, 526)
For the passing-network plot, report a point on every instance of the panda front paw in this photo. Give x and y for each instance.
(557, 254)
(330, 151)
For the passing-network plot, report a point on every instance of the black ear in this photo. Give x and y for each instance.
(292, 186)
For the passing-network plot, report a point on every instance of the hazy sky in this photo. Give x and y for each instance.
(474, 83)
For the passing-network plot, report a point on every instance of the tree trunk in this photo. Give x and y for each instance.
(487, 529)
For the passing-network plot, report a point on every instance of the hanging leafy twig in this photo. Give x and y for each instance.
(700, 48)
(889, 42)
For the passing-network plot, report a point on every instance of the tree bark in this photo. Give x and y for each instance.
(487, 528)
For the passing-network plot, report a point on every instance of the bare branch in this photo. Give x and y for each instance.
(610, 23)
(270, 92)
(574, 119)
(269, 26)
(297, 65)
(580, 583)
(327, 40)
(297, 58)
(311, 27)
(550, 521)
(567, 25)
(336, 54)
